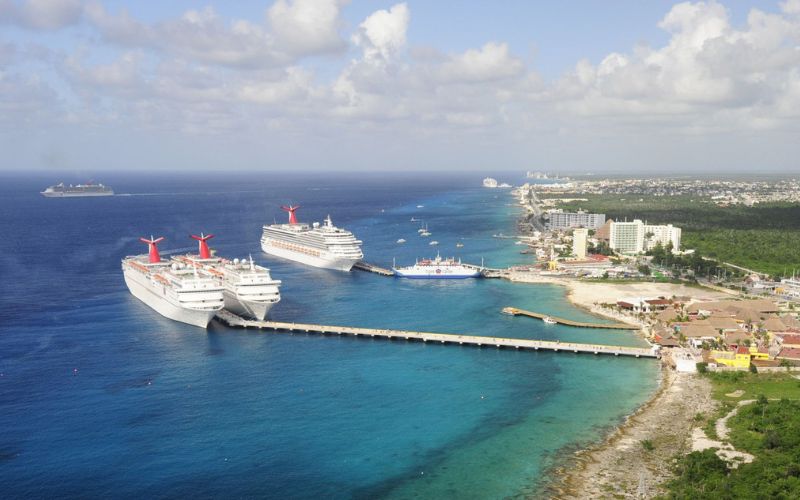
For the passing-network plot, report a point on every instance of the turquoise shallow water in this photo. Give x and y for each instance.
(102, 397)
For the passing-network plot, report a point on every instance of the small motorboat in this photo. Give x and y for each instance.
(401, 240)
(434, 242)
(549, 320)
(459, 245)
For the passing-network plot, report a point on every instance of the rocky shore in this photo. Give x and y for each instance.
(636, 458)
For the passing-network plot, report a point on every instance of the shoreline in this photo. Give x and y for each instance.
(619, 465)
(586, 295)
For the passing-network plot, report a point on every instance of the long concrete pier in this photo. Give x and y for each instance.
(513, 311)
(439, 338)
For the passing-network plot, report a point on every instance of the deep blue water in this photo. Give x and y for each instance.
(101, 396)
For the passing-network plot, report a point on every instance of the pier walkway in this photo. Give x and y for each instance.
(513, 311)
(372, 268)
(441, 338)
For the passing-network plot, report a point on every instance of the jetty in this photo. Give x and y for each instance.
(372, 268)
(513, 311)
(233, 320)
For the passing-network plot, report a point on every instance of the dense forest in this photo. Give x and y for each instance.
(764, 237)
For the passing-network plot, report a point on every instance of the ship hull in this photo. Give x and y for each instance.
(248, 308)
(75, 195)
(324, 261)
(140, 288)
(436, 276)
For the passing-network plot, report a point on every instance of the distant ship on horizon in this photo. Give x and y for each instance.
(61, 190)
(489, 182)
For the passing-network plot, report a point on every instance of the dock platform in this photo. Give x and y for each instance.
(513, 311)
(372, 268)
(440, 338)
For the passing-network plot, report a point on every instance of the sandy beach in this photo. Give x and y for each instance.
(588, 294)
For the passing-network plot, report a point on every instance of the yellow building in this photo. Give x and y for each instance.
(755, 354)
(735, 359)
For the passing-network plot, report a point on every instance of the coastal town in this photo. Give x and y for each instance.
(755, 325)
(701, 315)
(719, 191)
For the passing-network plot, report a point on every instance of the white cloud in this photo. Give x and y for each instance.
(27, 101)
(202, 73)
(200, 35)
(706, 71)
(300, 28)
(383, 33)
(307, 26)
(491, 62)
(41, 14)
(791, 6)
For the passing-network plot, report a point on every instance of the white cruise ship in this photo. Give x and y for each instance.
(489, 182)
(437, 268)
(325, 245)
(78, 190)
(249, 289)
(172, 289)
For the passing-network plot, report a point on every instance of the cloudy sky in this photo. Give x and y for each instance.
(619, 86)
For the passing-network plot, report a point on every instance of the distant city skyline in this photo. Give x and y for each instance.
(641, 87)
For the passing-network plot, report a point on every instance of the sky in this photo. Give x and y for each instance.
(621, 86)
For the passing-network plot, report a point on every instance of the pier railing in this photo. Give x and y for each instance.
(439, 338)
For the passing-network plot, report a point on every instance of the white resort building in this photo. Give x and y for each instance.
(637, 236)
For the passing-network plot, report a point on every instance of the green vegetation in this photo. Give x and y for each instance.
(770, 251)
(763, 237)
(648, 445)
(768, 428)
(771, 385)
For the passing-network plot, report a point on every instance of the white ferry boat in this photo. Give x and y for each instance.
(248, 289)
(437, 268)
(79, 190)
(174, 290)
(325, 245)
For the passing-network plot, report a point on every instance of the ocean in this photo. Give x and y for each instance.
(101, 396)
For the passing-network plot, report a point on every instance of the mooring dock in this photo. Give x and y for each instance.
(442, 338)
(513, 311)
(372, 268)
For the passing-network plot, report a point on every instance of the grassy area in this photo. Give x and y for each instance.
(763, 237)
(771, 385)
(769, 429)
